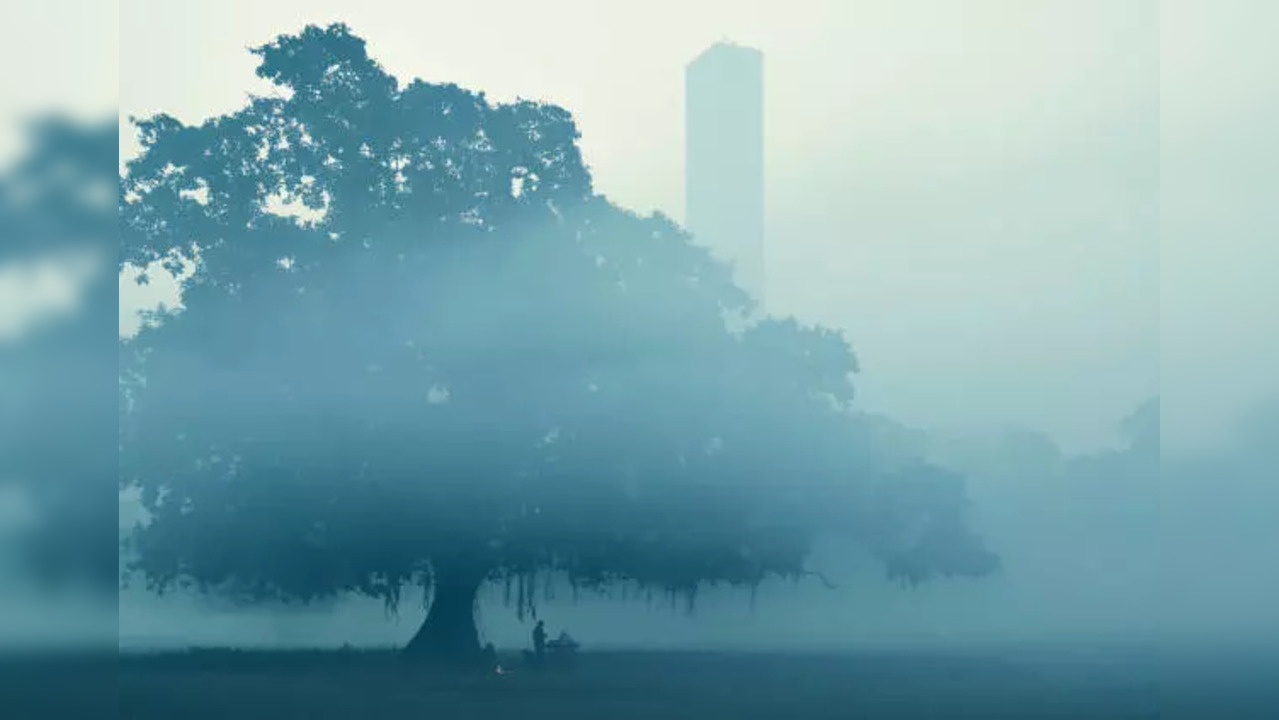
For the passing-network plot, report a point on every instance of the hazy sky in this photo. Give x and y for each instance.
(63, 56)
(1220, 218)
(971, 189)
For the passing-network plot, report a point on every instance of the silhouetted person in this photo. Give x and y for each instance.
(539, 642)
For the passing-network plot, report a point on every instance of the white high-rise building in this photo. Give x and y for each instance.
(724, 158)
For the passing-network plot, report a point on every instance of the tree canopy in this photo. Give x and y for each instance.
(418, 347)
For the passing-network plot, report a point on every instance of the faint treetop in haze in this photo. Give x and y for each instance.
(1141, 428)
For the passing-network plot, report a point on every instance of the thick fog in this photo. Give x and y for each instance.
(978, 194)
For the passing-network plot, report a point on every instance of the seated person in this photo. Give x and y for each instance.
(562, 648)
(564, 642)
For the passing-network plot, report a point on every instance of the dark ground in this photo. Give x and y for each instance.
(623, 686)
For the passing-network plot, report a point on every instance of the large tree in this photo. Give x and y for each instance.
(417, 347)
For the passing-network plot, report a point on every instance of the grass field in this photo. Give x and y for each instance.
(610, 686)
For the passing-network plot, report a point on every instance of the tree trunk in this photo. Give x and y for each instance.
(448, 636)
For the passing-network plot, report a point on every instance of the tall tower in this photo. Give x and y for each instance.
(724, 157)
